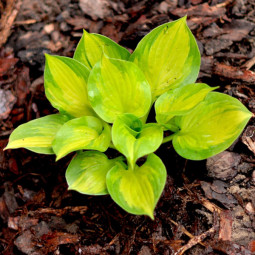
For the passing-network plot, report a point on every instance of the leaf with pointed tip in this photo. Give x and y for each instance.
(116, 87)
(137, 191)
(168, 56)
(65, 81)
(92, 46)
(180, 101)
(87, 173)
(87, 132)
(37, 135)
(133, 139)
(211, 127)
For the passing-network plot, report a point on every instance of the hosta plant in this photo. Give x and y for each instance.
(104, 95)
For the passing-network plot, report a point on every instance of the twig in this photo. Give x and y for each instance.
(210, 206)
(249, 64)
(226, 3)
(60, 212)
(6, 22)
(195, 240)
(185, 231)
(25, 22)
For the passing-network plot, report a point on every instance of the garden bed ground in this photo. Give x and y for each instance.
(207, 207)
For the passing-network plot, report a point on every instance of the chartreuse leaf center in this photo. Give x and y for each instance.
(180, 101)
(65, 82)
(211, 127)
(37, 135)
(87, 132)
(133, 139)
(87, 172)
(116, 87)
(92, 46)
(137, 191)
(168, 56)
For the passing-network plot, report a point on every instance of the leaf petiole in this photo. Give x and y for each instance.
(168, 138)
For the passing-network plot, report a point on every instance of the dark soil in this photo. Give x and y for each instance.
(207, 207)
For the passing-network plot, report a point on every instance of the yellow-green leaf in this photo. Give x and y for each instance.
(211, 127)
(168, 56)
(87, 173)
(65, 81)
(116, 87)
(92, 46)
(180, 101)
(133, 139)
(86, 132)
(137, 191)
(37, 135)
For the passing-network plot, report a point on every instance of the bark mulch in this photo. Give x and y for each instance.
(207, 207)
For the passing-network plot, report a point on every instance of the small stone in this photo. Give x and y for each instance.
(7, 101)
(96, 9)
(163, 7)
(249, 208)
(13, 222)
(64, 27)
(55, 36)
(145, 250)
(253, 176)
(49, 28)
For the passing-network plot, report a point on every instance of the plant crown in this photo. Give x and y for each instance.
(104, 95)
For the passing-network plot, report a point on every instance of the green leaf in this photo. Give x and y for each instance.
(37, 135)
(211, 127)
(168, 56)
(87, 173)
(92, 46)
(137, 191)
(180, 101)
(116, 87)
(133, 139)
(65, 82)
(87, 132)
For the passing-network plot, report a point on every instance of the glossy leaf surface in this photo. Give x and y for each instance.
(37, 135)
(211, 127)
(65, 82)
(87, 132)
(87, 173)
(92, 46)
(116, 87)
(168, 56)
(133, 139)
(180, 101)
(137, 191)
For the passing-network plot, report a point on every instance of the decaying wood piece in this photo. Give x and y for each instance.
(7, 20)
(234, 73)
(60, 212)
(225, 230)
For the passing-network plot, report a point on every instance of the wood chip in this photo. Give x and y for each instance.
(234, 73)
(225, 231)
(248, 138)
(201, 10)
